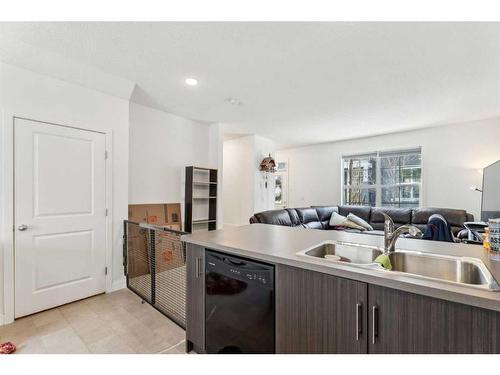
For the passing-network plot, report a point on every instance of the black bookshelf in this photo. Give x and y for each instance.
(200, 195)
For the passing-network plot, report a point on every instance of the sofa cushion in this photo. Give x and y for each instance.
(313, 225)
(360, 211)
(324, 214)
(308, 218)
(454, 217)
(380, 226)
(277, 217)
(294, 217)
(398, 215)
(307, 215)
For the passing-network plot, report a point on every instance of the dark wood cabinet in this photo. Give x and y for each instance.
(485, 331)
(195, 298)
(319, 313)
(401, 322)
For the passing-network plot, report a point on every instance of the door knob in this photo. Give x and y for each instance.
(22, 227)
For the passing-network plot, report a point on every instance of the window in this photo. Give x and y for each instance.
(386, 179)
(360, 176)
(281, 179)
(278, 190)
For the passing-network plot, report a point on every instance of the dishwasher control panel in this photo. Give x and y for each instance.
(242, 270)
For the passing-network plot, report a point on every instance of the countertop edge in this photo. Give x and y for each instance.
(402, 283)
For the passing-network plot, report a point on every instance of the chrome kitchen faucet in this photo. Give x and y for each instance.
(391, 235)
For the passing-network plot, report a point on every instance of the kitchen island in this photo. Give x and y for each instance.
(335, 307)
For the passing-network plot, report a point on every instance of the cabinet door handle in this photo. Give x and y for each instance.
(199, 272)
(374, 324)
(359, 320)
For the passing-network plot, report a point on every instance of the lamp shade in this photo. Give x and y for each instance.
(268, 164)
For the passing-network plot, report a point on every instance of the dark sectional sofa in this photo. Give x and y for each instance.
(318, 217)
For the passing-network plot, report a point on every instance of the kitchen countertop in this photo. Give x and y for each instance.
(279, 244)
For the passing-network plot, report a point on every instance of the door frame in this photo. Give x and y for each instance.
(7, 203)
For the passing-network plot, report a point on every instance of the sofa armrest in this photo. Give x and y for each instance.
(253, 220)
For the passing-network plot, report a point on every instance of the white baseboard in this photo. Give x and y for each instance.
(4, 321)
(118, 284)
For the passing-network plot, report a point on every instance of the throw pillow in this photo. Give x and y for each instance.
(351, 224)
(359, 221)
(337, 220)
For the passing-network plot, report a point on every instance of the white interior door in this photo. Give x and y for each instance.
(60, 209)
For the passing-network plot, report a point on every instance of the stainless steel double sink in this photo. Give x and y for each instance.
(464, 271)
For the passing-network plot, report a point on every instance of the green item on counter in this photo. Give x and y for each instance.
(384, 261)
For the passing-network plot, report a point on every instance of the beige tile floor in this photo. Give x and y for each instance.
(108, 323)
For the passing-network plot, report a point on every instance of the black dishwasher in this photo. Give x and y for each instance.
(239, 305)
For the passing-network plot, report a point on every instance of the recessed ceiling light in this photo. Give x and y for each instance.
(234, 101)
(191, 81)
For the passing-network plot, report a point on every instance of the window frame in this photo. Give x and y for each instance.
(378, 186)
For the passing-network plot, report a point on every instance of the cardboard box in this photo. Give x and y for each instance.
(163, 214)
(174, 213)
(138, 213)
(169, 252)
(156, 214)
(138, 259)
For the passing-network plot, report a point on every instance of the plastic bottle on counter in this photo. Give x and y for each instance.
(494, 238)
(486, 239)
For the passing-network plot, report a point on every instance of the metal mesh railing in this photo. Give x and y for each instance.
(155, 266)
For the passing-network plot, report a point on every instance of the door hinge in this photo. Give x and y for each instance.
(105, 270)
(105, 154)
(106, 212)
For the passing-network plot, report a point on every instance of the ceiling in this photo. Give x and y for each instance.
(299, 83)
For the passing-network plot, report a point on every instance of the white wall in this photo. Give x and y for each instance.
(216, 147)
(40, 97)
(238, 172)
(161, 146)
(451, 157)
(244, 191)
